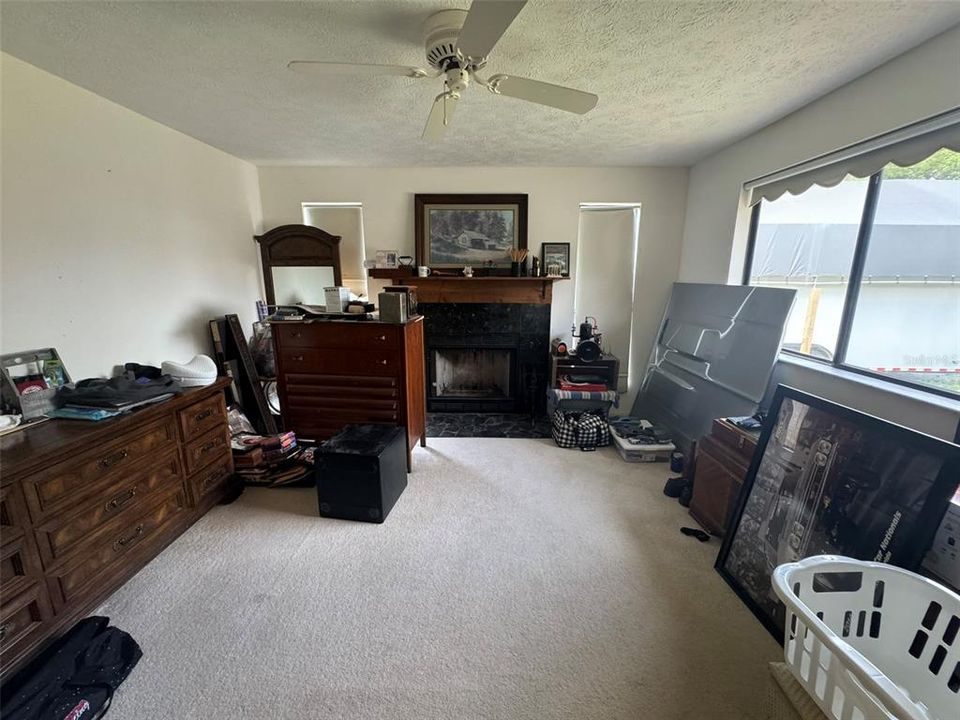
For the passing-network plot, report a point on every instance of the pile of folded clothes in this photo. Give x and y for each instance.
(583, 383)
(640, 440)
(98, 398)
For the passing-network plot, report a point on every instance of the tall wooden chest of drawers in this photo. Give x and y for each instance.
(85, 505)
(723, 458)
(335, 373)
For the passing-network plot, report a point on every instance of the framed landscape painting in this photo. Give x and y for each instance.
(452, 231)
(829, 480)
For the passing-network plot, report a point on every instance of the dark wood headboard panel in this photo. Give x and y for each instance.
(297, 245)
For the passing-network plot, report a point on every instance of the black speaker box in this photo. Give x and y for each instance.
(361, 472)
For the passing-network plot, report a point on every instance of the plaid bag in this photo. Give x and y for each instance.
(586, 430)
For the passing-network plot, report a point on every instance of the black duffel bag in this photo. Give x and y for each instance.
(75, 677)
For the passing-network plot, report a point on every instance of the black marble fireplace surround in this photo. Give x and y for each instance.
(522, 329)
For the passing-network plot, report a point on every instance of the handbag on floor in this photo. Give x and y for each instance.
(75, 677)
(586, 430)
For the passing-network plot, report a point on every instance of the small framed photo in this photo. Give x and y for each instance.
(388, 259)
(555, 259)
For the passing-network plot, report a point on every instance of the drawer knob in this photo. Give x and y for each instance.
(203, 415)
(298, 358)
(121, 499)
(382, 338)
(209, 446)
(122, 542)
(113, 459)
(383, 362)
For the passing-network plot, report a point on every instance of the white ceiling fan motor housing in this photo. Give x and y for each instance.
(440, 34)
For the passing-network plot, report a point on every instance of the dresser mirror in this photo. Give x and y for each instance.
(299, 261)
(301, 285)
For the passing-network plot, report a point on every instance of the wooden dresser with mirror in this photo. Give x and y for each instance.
(332, 372)
(85, 505)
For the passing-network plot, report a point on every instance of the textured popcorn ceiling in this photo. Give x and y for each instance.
(676, 80)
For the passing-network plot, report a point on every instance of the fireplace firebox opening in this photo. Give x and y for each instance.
(472, 373)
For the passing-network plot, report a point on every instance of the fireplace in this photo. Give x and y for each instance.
(472, 373)
(486, 357)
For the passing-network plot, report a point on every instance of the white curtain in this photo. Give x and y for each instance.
(905, 146)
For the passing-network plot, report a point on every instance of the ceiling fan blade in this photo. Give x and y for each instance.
(486, 23)
(563, 98)
(310, 67)
(441, 114)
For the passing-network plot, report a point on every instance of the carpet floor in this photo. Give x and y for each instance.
(512, 581)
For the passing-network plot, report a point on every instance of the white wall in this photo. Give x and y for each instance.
(120, 237)
(387, 195)
(918, 84)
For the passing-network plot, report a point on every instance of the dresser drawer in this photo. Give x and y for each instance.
(21, 616)
(107, 513)
(18, 559)
(321, 403)
(341, 416)
(341, 386)
(340, 362)
(351, 335)
(212, 479)
(205, 449)
(203, 416)
(13, 512)
(738, 442)
(88, 572)
(63, 485)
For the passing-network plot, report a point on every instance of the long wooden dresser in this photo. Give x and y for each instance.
(334, 373)
(86, 505)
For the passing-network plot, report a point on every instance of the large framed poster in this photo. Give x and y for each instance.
(827, 479)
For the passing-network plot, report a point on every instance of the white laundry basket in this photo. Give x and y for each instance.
(870, 641)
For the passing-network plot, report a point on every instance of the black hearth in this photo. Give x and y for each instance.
(486, 357)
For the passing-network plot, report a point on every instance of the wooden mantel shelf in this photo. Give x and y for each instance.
(496, 289)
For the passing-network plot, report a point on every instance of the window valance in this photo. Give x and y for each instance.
(904, 146)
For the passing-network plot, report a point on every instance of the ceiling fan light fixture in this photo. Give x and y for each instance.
(457, 43)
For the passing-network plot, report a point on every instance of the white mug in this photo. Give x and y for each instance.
(423, 271)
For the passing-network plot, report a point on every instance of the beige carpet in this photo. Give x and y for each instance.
(513, 580)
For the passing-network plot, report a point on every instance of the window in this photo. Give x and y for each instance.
(876, 266)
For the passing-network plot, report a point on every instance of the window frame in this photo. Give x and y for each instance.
(852, 295)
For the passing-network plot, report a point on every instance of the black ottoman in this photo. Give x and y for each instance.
(361, 472)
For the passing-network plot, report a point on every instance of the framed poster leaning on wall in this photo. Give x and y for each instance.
(829, 480)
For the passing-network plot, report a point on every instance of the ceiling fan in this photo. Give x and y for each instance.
(458, 43)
